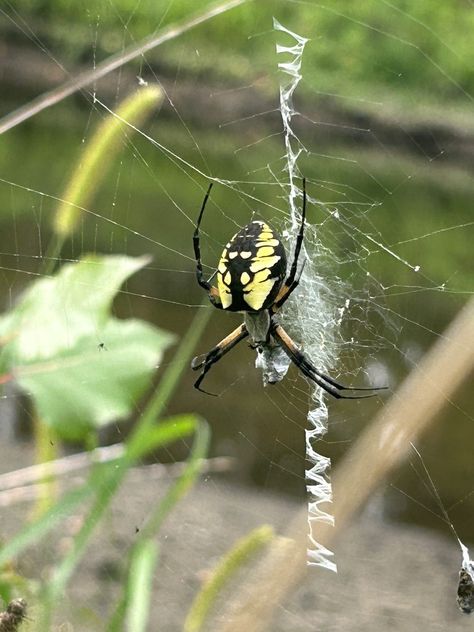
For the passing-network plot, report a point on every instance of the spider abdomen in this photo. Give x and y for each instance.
(251, 269)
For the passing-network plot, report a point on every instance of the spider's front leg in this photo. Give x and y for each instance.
(212, 291)
(292, 281)
(196, 245)
(205, 361)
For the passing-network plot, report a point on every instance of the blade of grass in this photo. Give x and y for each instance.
(228, 565)
(46, 443)
(140, 581)
(33, 532)
(167, 431)
(170, 379)
(179, 488)
(182, 484)
(105, 489)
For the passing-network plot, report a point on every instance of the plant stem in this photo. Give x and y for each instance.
(46, 444)
(229, 564)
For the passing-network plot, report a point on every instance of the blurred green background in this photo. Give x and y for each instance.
(386, 118)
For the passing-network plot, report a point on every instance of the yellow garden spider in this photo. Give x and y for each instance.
(251, 279)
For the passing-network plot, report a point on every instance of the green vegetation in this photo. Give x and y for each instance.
(82, 365)
(230, 563)
(423, 47)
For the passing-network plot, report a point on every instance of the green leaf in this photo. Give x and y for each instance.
(55, 312)
(86, 387)
(82, 368)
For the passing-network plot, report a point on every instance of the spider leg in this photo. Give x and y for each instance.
(307, 368)
(205, 361)
(292, 282)
(213, 291)
(285, 292)
(197, 250)
(299, 240)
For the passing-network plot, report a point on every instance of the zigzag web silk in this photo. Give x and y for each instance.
(318, 484)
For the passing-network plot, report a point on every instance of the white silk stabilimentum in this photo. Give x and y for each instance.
(310, 308)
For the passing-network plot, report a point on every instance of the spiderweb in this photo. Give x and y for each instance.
(387, 244)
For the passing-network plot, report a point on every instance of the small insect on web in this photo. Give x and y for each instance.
(465, 591)
(253, 278)
(13, 616)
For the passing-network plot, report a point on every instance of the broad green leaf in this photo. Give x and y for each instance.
(55, 312)
(86, 386)
(82, 368)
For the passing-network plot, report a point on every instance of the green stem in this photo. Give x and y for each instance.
(140, 583)
(52, 253)
(232, 561)
(46, 444)
(168, 383)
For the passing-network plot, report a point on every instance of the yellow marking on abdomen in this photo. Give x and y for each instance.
(267, 242)
(262, 264)
(261, 275)
(224, 292)
(256, 298)
(265, 251)
(245, 278)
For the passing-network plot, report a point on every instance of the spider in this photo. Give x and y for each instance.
(252, 278)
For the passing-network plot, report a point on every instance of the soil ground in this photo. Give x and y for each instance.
(393, 577)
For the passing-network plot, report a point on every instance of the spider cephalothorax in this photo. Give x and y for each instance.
(252, 277)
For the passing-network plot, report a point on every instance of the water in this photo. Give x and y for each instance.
(153, 203)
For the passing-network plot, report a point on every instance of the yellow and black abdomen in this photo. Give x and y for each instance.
(251, 269)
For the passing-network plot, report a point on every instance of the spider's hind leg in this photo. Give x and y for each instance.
(307, 368)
